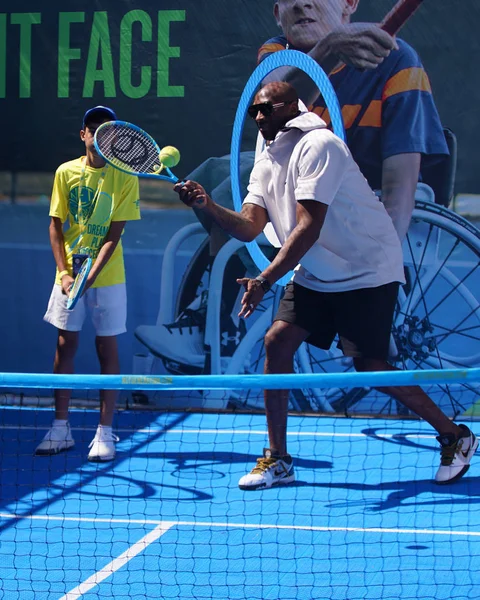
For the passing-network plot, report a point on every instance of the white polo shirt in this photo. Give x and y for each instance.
(358, 246)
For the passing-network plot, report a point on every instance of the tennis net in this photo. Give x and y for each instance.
(166, 518)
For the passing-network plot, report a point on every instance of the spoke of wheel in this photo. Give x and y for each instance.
(460, 332)
(417, 273)
(423, 291)
(454, 289)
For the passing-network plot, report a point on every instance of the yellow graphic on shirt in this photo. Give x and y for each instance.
(91, 233)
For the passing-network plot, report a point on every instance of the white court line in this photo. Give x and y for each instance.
(290, 433)
(237, 432)
(117, 563)
(169, 524)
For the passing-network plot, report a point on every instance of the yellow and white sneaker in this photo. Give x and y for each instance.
(270, 470)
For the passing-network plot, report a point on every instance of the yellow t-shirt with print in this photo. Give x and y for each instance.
(117, 199)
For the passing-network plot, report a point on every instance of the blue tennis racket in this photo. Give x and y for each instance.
(132, 150)
(79, 283)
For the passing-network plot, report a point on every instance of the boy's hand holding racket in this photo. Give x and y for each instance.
(66, 283)
(79, 284)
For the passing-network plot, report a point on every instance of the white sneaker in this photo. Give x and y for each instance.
(103, 445)
(57, 439)
(269, 471)
(456, 455)
(181, 341)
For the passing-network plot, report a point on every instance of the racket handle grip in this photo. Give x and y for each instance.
(399, 15)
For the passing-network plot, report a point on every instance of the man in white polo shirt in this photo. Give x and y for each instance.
(348, 264)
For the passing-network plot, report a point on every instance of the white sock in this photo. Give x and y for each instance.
(60, 422)
(105, 427)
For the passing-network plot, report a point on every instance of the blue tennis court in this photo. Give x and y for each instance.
(167, 520)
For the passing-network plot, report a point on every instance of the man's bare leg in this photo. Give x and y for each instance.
(458, 443)
(276, 467)
(413, 397)
(281, 342)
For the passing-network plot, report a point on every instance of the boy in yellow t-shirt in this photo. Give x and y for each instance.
(97, 201)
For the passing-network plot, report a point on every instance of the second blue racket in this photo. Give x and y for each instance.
(79, 283)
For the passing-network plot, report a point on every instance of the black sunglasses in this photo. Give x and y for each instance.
(266, 108)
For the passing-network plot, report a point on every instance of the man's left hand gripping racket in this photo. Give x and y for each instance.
(79, 284)
(130, 149)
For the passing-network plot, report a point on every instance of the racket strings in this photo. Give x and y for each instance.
(129, 149)
(75, 287)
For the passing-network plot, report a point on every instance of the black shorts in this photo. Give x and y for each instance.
(361, 318)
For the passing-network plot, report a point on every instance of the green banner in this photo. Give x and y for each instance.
(178, 68)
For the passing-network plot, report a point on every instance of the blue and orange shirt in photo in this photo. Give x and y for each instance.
(387, 111)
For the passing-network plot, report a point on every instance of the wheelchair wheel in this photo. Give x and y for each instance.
(437, 320)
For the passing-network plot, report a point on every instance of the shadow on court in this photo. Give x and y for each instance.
(401, 439)
(403, 493)
(184, 461)
(30, 484)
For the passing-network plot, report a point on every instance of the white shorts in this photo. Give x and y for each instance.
(107, 306)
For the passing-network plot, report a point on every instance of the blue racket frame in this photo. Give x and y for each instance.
(170, 177)
(83, 274)
(283, 58)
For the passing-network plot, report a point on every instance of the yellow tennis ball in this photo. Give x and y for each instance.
(169, 156)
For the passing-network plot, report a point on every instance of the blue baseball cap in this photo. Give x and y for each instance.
(99, 113)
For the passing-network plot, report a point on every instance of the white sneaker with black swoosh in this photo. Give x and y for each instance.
(455, 455)
(270, 470)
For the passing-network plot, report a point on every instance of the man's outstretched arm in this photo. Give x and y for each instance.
(245, 225)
